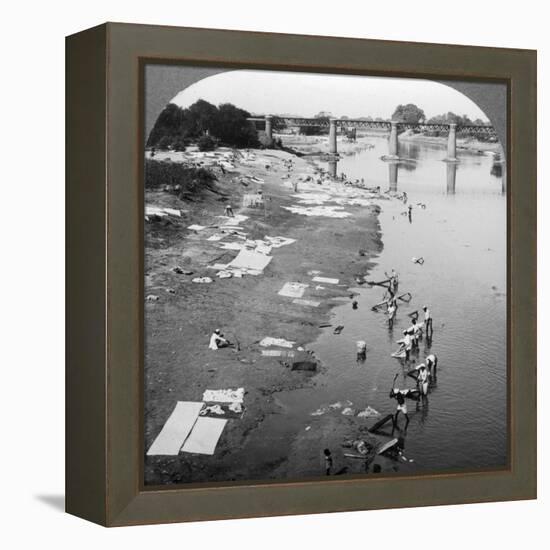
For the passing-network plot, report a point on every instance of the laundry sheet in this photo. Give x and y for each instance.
(176, 429)
(277, 242)
(293, 290)
(308, 303)
(281, 342)
(326, 280)
(249, 259)
(205, 435)
(224, 396)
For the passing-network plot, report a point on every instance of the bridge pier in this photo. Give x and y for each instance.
(451, 144)
(332, 146)
(393, 143)
(268, 129)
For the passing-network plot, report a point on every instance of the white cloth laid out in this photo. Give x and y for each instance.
(196, 227)
(224, 396)
(248, 259)
(277, 353)
(232, 246)
(326, 280)
(293, 290)
(310, 303)
(277, 242)
(281, 342)
(176, 429)
(216, 237)
(205, 435)
(324, 211)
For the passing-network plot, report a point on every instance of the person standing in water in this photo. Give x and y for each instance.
(401, 404)
(422, 380)
(428, 323)
(431, 363)
(391, 313)
(406, 345)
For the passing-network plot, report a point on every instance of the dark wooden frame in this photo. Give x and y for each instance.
(104, 272)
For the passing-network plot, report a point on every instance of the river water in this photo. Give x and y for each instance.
(461, 234)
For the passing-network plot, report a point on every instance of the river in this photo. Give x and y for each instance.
(461, 234)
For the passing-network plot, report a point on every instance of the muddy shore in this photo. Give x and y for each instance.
(178, 364)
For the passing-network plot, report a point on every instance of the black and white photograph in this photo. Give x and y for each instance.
(325, 276)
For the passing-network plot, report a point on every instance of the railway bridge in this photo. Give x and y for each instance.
(392, 126)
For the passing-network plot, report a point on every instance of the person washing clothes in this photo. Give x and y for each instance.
(217, 340)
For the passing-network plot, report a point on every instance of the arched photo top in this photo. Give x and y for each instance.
(310, 94)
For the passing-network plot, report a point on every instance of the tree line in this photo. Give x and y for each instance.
(204, 124)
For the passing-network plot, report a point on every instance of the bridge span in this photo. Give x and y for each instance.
(392, 126)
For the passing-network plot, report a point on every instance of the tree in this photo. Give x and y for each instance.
(409, 113)
(233, 128)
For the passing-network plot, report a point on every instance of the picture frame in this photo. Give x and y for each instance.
(104, 273)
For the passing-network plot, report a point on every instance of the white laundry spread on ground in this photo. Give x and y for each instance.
(323, 211)
(277, 353)
(310, 303)
(277, 242)
(204, 436)
(161, 211)
(293, 290)
(196, 227)
(202, 280)
(224, 396)
(281, 342)
(216, 237)
(250, 260)
(326, 280)
(176, 429)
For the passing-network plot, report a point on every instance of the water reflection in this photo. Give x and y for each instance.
(392, 167)
(332, 166)
(411, 163)
(451, 177)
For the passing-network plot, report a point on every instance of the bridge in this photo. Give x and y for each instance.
(393, 126)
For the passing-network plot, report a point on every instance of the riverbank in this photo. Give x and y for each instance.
(181, 314)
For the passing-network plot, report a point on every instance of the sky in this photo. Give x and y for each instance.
(306, 94)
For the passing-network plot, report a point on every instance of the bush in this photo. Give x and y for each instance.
(183, 180)
(206, 143)
(164, 143)
(180, 145)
